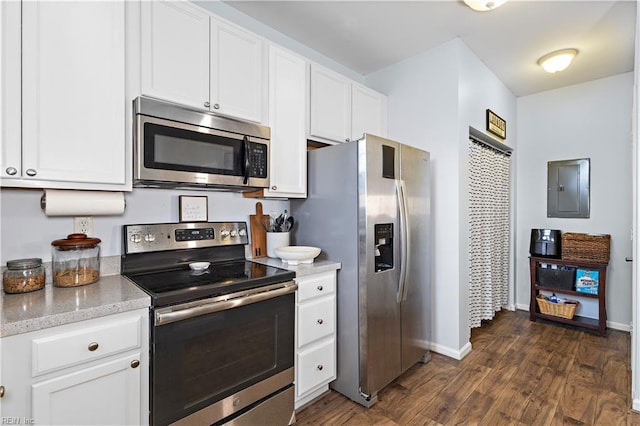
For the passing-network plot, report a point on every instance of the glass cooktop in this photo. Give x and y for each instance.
(181, 284)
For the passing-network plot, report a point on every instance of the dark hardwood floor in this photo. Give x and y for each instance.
(518, 373)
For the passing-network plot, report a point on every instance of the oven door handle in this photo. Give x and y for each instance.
(207, 306)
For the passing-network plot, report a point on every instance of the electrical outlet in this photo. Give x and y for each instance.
(83, 224)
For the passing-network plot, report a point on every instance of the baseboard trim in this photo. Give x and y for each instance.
(451, 353)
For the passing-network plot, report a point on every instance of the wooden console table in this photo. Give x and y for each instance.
(600, 324)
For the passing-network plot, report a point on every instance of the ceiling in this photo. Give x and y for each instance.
(367, 36)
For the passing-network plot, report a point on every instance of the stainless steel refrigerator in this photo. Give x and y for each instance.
(368, 207)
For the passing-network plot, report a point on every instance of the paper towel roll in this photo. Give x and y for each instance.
(58, 202)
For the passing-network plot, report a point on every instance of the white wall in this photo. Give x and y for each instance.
(589, 120)
(25, 231)
(480, 90)
(433, 99)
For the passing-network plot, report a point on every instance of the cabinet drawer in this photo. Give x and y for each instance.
(315, 367)
(66, 349)
(316, 286)
(315, 320)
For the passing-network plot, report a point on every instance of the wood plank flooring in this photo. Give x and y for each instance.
(519, 373)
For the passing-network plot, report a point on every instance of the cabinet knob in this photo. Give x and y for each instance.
(11, 171)
(319, 367)
(347, 140)
(319, 321)
(274, 187)
(31, 172)
(207, 104)
(216, 106)
(93, 346)
(135, 363)
(1, 391)
(320, 288)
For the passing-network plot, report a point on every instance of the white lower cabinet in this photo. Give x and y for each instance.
(315, 362)
(83, 373)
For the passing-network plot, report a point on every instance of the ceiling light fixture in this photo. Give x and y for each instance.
(484, 5)
(558, 60)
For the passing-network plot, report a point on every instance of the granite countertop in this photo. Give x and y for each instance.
(53, 306)
(301, 270)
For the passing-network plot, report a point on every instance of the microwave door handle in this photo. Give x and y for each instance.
(247, 160)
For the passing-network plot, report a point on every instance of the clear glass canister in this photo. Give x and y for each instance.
(76, 260)
(23, 276)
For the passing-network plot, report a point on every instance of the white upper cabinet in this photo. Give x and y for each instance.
(330, 114)
(192, 58)
(368, 112)
(10, 98)
(287, 119)
(342, 110)
(73, 97)
(73, 93)
(236, 72)
(175, 52)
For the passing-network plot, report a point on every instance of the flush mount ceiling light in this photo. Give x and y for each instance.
(484, 5)
(558, 60)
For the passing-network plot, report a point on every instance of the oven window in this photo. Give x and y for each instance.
(199, 361)
(170, 148)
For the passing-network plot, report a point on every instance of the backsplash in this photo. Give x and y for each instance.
(27, 232)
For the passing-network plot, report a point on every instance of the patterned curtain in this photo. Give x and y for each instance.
(489, 232)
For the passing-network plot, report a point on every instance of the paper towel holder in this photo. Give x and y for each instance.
(90, 210)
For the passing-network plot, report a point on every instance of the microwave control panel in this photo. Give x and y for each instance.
(258, 156)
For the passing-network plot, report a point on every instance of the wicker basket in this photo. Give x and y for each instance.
(586, 247)
(562, 310)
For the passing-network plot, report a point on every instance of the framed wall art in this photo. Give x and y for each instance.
(194, 208)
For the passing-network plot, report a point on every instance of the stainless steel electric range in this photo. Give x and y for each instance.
(222, 338)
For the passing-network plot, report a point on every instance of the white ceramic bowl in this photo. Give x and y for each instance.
(199, 266)
(295, 255)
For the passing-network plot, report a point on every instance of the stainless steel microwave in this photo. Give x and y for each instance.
(180, 147)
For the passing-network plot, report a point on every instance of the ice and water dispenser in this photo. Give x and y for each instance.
(384, 246)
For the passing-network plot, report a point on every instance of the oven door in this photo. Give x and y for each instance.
(216, 364)
(179, 154)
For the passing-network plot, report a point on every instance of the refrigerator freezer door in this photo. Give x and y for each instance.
(415, 175)
(379, 310)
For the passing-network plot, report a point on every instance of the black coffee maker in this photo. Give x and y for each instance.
(545, 243)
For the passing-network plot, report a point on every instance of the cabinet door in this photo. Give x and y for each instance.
(73, 88)
(330, 113)
(368, 112)
(107, 393)
(287, 119)
(10, 99)
(236, 72)
(315, 366)
(175, 52)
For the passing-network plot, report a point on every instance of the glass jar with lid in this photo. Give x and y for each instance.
(76, 260)
(23, 276)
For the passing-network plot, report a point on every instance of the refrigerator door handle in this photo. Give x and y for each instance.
(404, 239)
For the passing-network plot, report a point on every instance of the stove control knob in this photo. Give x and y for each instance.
(135, 238)
(149, 237)
(234, 233)
(242, 232)
(224, 233)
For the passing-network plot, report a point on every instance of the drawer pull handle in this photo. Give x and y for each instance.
(319, 367)
(320, 321)
(93, 346)
(135, 363)
(1, 391)
(320, 288)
